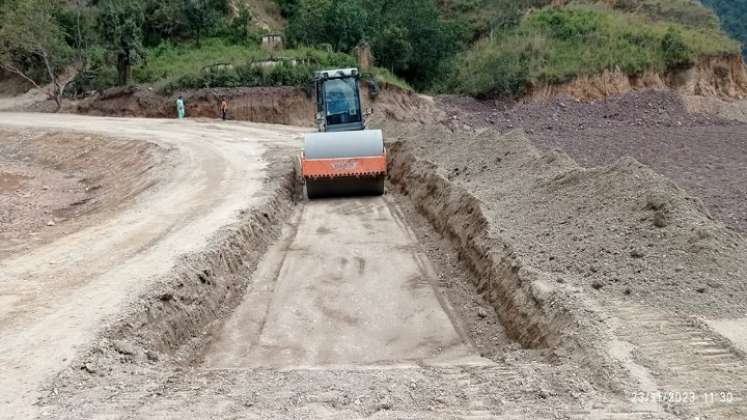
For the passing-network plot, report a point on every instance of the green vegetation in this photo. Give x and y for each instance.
(33, 43)
(557, 45)
(733, 14)
(478, 47)
(219, 63)
(121, 27)
(168, 44)
(482, 17)
(687, 12)
(410, 38)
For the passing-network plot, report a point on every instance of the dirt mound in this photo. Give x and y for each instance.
(702, 153)
(54, 183)
(620, 231)
(615, 267)
(730, 110)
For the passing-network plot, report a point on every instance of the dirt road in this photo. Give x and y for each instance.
(54, 299)
(353, 280)
(442, 299)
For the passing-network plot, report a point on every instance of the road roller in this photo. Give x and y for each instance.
(343, 158)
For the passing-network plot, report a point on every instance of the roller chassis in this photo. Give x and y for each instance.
(344, 158)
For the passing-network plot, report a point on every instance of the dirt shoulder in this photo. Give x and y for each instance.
(53, 183)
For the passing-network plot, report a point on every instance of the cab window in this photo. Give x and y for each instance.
(341, 96)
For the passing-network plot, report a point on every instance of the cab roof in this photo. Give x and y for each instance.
(336, 73)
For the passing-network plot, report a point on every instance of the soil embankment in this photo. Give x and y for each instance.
(704, 153)
(54, 183)
(612, 228)
(275, 105)
(286, 105)
(724, 77)
(590, 244)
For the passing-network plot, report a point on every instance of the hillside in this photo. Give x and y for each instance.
(266, 13)
(483, 48)
(556, 45)
(733, 15)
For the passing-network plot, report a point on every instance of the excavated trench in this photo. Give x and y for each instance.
(410, 276)
(342, 282)
(334, 293)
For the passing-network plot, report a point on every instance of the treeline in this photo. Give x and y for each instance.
(477, 47)
(80, 45)
(410, 38)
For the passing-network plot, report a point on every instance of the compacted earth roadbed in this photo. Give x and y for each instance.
(491, 281)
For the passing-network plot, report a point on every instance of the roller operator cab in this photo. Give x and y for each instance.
(343, 158)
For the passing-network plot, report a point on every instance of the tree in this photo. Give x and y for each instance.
(31, 39)
(78, 21)
(409, 37)
(392, 48)
(241, 24)
(346, 24)
(733, 15)
(202, 16)
(121, 27)
(288, 7)
(412, 38)
(308, 24)
(164, 19)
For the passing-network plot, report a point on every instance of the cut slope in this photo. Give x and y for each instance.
(556, 45)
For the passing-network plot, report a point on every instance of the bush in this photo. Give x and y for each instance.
(677, 54)
(97, 78)
(566, 24)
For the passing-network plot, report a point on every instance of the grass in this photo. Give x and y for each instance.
(219, 63)
(168, 62)
(383, 75)
(552, 46)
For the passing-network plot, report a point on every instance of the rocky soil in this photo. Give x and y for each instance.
(627, 243)
(621, 230)
(704, 154)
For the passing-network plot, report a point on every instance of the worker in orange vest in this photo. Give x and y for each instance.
(224, 108)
